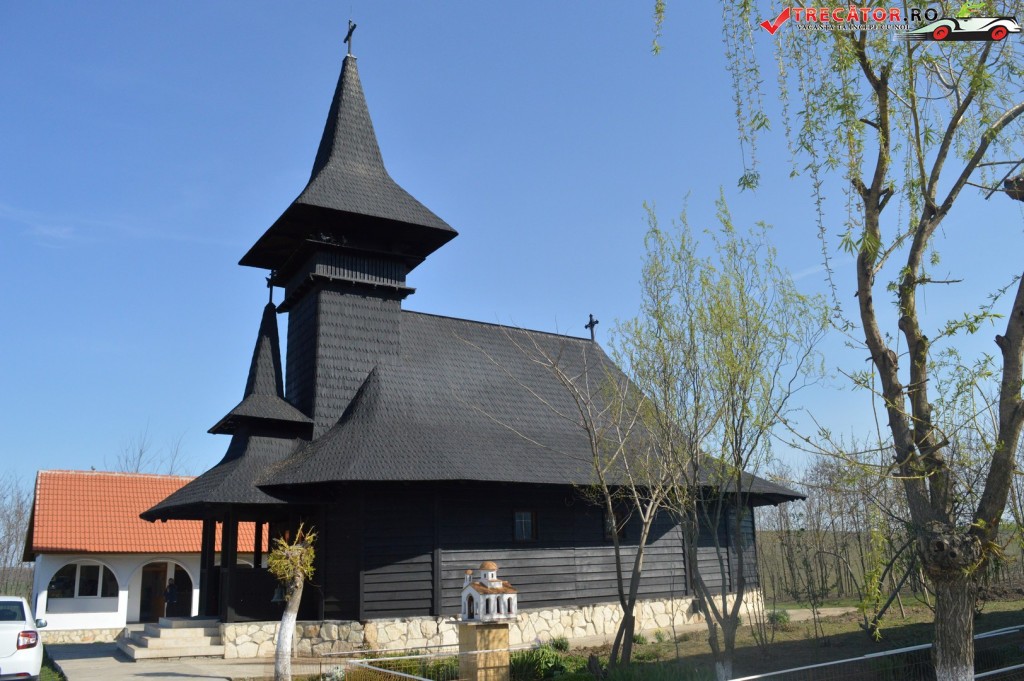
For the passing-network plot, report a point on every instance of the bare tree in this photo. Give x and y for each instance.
(719, 349)
(630, 477)
(138, 455)
(15, 509)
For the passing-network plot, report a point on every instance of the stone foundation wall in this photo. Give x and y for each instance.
(257, 639)
(57, 636)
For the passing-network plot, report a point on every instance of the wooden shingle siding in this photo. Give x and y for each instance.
(301, 358)
(353, 335)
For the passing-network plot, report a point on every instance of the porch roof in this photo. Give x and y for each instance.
(98, 512)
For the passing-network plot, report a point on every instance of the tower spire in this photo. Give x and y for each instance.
(263, 399)
(350, 200)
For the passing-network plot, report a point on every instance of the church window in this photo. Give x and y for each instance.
(525, 526)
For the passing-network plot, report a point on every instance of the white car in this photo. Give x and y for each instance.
(21, 653)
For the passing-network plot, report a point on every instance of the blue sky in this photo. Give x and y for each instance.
(146, 146)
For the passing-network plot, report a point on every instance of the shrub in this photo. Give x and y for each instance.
(444, 669)
(660, 636)
(639, 639)
(532, 665)
(779, 619)
(524, 665)
(560, 643)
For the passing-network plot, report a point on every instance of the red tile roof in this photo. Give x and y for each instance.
(98, 512)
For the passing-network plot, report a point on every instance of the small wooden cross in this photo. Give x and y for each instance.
(348, 36)
(590, 325)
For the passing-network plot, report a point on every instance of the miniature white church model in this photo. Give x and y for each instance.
(485, 598)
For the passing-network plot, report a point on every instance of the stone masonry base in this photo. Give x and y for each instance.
(57, 636)
(597, 621)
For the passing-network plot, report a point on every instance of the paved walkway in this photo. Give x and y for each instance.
(103, 662)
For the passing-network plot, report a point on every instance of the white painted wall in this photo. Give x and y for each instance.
(98, 612)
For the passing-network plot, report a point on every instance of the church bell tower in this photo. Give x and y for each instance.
(342, 251)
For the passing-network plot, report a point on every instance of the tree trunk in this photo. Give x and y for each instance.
(628, 629)
(953, 652)
(723, 663)
(286, 633)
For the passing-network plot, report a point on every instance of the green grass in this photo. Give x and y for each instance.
(50, 672)
(662, 671)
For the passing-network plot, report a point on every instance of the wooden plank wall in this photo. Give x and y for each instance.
(389, 549)
(569, 563)
(339, 558)
(398, 554)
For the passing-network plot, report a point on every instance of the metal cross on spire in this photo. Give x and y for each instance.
(590, 325)
(348, 36)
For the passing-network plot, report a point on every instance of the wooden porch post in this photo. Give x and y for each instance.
(228, 560)
(208, 549)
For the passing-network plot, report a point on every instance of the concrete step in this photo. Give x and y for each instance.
(168, 643)
(136, 652)
(187, 622)
(174, 637)
(156, 631)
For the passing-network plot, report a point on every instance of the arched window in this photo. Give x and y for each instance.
(83, 580)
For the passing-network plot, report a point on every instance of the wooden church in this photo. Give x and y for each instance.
(417, 445)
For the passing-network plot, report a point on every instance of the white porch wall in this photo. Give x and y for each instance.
(103, 613)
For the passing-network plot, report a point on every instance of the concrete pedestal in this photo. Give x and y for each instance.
(483, 666)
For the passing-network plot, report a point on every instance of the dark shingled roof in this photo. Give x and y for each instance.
(350, 199)
(466, 401)
(458, 404)
(232, 481)
(264, 391)
(264, 431)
